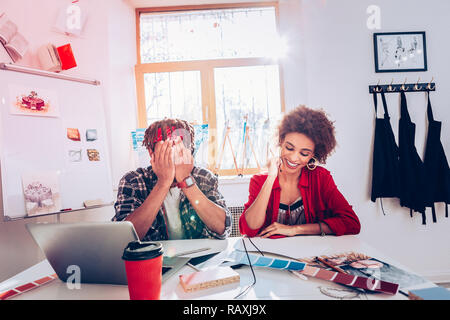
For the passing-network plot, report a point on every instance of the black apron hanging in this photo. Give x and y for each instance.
(385, 165)
(412, 180)
(437, 172)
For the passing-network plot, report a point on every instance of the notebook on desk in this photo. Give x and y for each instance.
(93, 249)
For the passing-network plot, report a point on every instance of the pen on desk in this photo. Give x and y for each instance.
(190, 252)
(330, 265)
(68, 209)
(193, 267)
(299, 275)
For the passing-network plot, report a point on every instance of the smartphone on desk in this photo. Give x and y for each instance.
(197, 261)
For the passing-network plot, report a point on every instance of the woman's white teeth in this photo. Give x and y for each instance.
(291, 164)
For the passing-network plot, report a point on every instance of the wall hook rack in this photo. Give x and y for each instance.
(405, 87)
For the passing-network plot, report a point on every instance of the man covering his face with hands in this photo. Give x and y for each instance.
(172, 198)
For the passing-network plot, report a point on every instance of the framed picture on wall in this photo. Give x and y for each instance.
(400, 51)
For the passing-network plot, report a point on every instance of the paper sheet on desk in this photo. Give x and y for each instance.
(237, 257)
(302, 246)
(177, 247)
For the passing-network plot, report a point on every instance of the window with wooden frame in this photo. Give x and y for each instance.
(215, 65)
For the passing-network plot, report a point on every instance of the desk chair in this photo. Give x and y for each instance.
(235, 215)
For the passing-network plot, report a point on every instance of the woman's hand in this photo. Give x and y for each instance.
(278, 228)
(274, 166)
(162, 162)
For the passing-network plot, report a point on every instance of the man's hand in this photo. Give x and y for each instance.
(162, 162)
(278, 228)
(183, 159)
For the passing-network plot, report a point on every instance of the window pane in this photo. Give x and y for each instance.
(252, 92)
(173, 95)
(208, 34)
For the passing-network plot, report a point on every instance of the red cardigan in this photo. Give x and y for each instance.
(321, 199)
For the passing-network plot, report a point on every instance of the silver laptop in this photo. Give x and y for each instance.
(94, 249)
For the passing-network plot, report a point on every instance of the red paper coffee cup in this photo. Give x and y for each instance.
(143, 265)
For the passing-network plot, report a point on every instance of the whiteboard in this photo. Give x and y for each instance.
(38, 143)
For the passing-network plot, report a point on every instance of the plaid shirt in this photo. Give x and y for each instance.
(135, 186)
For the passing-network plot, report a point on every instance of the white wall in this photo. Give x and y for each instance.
(120, 93)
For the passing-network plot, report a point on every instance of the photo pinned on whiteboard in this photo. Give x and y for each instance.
(237, 257)
(73, 134)
(75, 155)
(91, 134)
(140, 152)
(137, 138)
(93, 155)
(41, 193)
(28, 101)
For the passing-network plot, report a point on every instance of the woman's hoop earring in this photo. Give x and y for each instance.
(281, 161)
(312, 165)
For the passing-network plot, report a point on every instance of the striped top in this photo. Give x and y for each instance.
(292, 214)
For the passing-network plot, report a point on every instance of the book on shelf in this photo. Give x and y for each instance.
(4, 55)
(48, 57)
(14, 43)
(66, 57)
(56, 59)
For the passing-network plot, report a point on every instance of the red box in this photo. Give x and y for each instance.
(66, 57)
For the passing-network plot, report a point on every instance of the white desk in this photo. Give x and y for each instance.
(270, 284)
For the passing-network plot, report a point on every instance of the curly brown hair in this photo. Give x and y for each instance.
(315, 125)
(165, 127)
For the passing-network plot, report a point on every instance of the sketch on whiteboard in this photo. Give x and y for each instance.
(75, 155)
(41, 193)
(73, 134)
(93, 155)
(33, 102)
(91, 134)
(140, 153)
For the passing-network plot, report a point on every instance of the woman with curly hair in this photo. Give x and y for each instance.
(296, 196)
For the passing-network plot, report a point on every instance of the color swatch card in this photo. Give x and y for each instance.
(26, 287)
(237, 257)
(356, 281)
(371, 284)
(359, 264)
